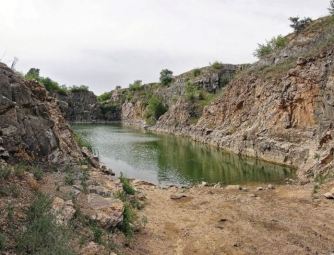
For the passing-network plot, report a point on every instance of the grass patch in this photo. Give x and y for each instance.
(42, 235)
(127, 187)
(128, 218)
(5, 173)
(83, 142)
(3, 242)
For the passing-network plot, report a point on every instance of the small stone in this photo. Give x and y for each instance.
(253, 195)
(233, 187)
(245, 189)
(177, 196)
(270, 186)
(328, 195)
(205, 184)
(259, 188)
(223, 219)
(304, 181)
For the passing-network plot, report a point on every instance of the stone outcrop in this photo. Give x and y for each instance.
(80, 106)
(284, 116)
(32, 125)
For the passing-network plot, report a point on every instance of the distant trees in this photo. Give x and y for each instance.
(270, 46)
(32, 74)
(135, 85)
(331, 7)
(299, 25)
(166, 77)
(81, 88)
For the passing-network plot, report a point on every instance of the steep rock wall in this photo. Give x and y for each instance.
(31, 123)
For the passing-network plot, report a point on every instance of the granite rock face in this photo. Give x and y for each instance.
(31, 123)
(80, 106)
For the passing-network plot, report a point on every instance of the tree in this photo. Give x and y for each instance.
(299, 25)
(331, 7)
(166, 77)
(135, 85)
(33, 73)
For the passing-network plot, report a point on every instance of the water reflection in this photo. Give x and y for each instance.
(163, 159)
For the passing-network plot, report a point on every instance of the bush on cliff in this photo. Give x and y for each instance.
(135, 85)
(166, 77)
(156, 108)
(104, 97)
(81, 88)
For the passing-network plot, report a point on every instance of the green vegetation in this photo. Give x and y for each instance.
(166, 77)
(81, 88)
(135, 85)
(299, 25)
(270, 46)
(82, 141)
(43, 235)
(98, 233)
(49, 84)
(128, 218)
(127, 187)
(155, 109)
(224, 80)
(196, 72)
(3, 242)
(217, 65)
(5, 173)
(104, 97)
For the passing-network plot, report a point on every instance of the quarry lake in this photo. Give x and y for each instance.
(166, 159)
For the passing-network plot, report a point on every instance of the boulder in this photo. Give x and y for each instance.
(107, 212)
(63, 210)
(233, 187)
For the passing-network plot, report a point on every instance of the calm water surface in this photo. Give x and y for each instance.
(166, 159)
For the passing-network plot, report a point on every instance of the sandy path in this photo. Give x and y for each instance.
(285, 220)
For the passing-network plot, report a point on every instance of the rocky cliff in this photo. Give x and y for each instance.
(280, 109)
(32, 125)
(80, 106)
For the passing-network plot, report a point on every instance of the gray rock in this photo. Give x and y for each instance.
(328, 195)
(177, 196)
(270, 186)
(233, 187)
(259, 188)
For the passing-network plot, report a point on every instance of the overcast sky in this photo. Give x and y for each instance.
(105, 43)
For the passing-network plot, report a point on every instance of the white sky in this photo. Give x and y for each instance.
(105, 43)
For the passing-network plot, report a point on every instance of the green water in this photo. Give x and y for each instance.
(166, 159)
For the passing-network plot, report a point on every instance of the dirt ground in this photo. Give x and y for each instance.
(208, 220)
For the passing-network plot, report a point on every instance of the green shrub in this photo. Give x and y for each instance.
(166, 77)
(217, 65)
(19, 170)
(135, 85)
(224, 80)
(3, 242)
(69, 180)
(299, 25)
(98, 233)
(155, 108)
(43, 235)
(5, 173)
(104, 97)
(270, 46)
(279, 42)
(127, 187)
(196, 72)
(128, 217)
(121, 195)
(81, 88)
(38, 173)
(83, 142)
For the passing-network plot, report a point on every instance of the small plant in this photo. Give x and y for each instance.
(196, 72)
(43, 235)
(137, 204)
(128, 217)
(83, 142)
(316, 156)
(121, 195)
(3, 242)
(186, 79)
(299, 25)
(217, 65)
(69, 180)
(135, 85)
(38, 173)
(166, 77)
(5, 173)
(19, 171)
(127, 187)
(98, 233)
(224, 80)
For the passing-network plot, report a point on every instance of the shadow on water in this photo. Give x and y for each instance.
(167, 159)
